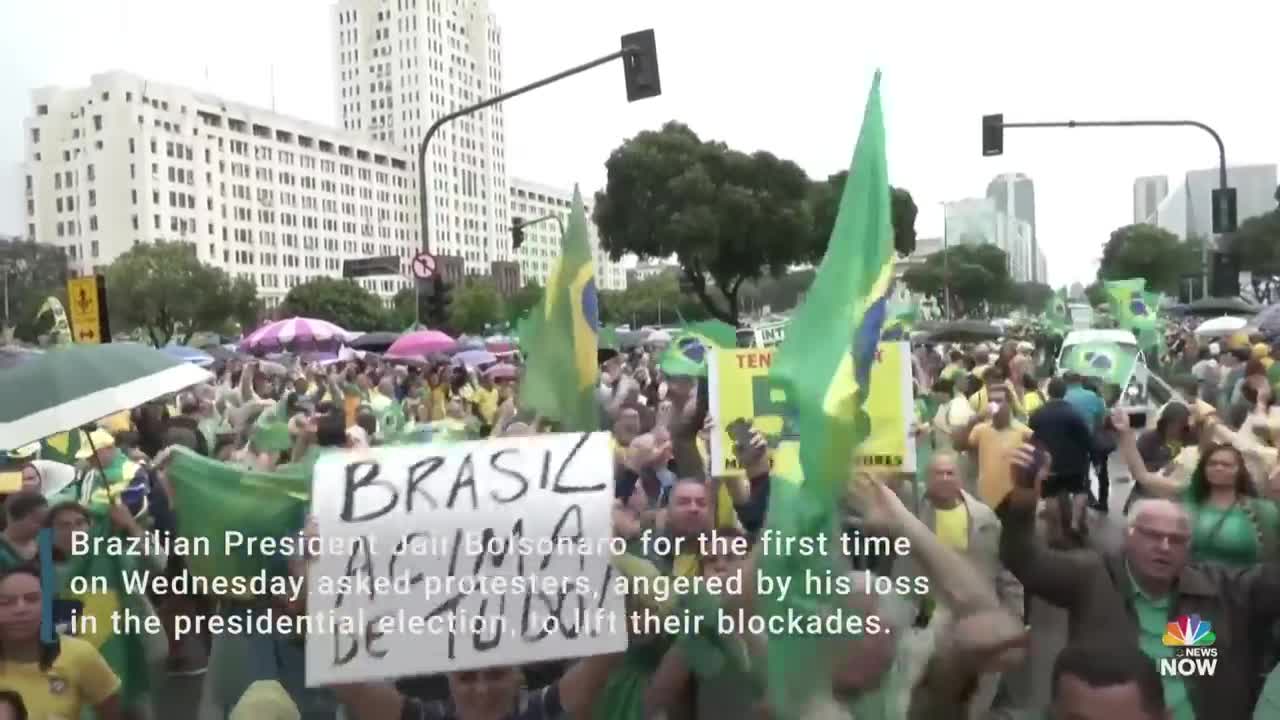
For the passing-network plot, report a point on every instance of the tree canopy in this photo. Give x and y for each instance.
(522, 301)
(974, 274)
(824, 202)
(341, 301)
(1257, 245)
(474, 306)
(1150, 252)
(656, 300)
(35, 272)
(164, 290)
(727, 216)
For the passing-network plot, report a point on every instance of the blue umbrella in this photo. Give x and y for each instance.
(199, 358)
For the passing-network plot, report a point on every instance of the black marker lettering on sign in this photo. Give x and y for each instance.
(361, 476)
(359, 563)
(346, 647)
(407, 542)
(466, 478)
(521, 481)
(559, 486)
(419, 472)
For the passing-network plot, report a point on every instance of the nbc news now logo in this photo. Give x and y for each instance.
(1194, 655)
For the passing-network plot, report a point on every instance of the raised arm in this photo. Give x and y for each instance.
(1055, 575)
(1127, 444)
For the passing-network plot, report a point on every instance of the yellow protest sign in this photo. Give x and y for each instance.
(86, 319)
(738, 381)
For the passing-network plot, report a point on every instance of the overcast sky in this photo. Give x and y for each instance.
(789, 77)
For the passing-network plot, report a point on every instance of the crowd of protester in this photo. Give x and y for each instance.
(1045, 601)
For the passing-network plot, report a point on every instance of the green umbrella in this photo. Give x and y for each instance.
(79, 384)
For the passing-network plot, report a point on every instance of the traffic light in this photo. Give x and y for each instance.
(992, 135)
(640, 65)
(517, 233)
(1224, 275)
(438, 303)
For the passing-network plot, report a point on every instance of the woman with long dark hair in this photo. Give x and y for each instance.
(56, 680)
(11, 706)
(1230, 524)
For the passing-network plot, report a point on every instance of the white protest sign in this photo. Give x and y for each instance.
(463, 556)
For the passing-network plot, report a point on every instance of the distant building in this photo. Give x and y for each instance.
(278, 200)
(924, 248)
(1015, 195)
(646, 270)
(977, 221)
(400, 66)
(529, 201)
(1188, 211)
(1148, 193)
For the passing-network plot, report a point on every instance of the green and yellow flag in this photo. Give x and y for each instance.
(901, 320)
(824, 367)
(1055, 311)
(562, 370)
(687, 353)
(258, 504)
(124, 652)
(1134, 309)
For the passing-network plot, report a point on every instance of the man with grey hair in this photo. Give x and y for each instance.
(1131, 595)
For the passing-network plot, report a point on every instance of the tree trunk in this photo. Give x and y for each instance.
(699, 284)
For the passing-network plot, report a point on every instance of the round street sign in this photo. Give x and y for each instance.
(424, 266)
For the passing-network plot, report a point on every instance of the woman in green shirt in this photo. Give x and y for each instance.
(1230, 524)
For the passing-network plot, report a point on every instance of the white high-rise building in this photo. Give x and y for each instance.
(530, 201)
(1148, 193)
(401, 66)
(264, 196)
(977, 221)
(1187, 211)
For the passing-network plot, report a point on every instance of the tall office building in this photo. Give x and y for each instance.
(977, 221)
(1188, 209)
(1015, 195)
(1148, 193)
(401, 66)
(530, 201)
(264, 196)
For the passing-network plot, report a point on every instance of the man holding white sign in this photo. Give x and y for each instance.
(465, 556)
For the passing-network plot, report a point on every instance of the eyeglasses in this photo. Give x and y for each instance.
(1157, 537)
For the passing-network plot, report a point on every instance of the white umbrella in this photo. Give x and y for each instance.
(1221, 326)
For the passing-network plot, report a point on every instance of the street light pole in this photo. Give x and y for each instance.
(1222, 165)
(946, 270)
(461, 112)
(544, 218)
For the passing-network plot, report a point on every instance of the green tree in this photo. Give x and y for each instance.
(1096, 295)
(824, 202)
(727, 216)
(975, 274)
(475, 305)
(341, 301)
(404, 309)
(1032, 296)
(522, 301)
(32, 273)
(165, 291)
(1150, 252)
(1257, 245)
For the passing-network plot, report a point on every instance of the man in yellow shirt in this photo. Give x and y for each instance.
(993, 434)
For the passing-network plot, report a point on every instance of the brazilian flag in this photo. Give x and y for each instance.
(562, 371)
(824, 367)
(901, 321)
(687, 354)
(63, 447)
(125, 653)
(1055, 311)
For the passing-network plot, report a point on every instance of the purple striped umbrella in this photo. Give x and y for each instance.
(419, 344)
(295, 335)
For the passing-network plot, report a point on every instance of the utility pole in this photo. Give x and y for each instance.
(640, 63)
(1223, 199)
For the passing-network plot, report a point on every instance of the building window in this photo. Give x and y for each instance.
(131, 146)
(133, 196)
(35, 135)
(156, 218)
(58, 203)
(89, 172)
(135, 222)
(42, 109)
(93, 198)
(60, 231)
(93, 249)
(57, 181)
(97, 126)
(93, 227)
